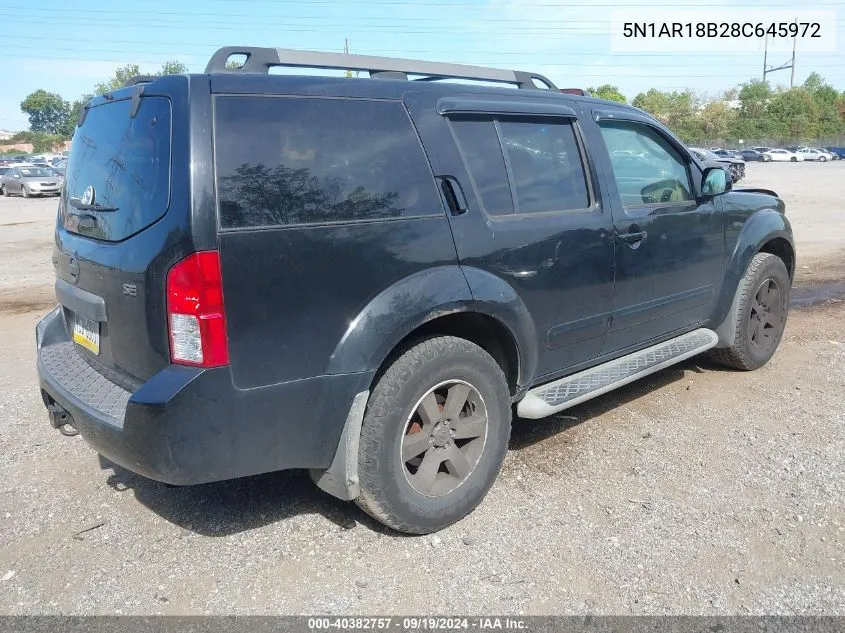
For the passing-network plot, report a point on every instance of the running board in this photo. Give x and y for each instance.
(566, 392)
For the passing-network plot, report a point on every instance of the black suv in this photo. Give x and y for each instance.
(367, 277)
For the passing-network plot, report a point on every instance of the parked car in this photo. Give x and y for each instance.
(763, 149)
(753, 155)
(814, 154)
(838, 152)
(374, 283)
(780, 155)
(736, 166)
(729, 153)
(29, 181)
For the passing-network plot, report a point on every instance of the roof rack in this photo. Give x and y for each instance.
(261, 60)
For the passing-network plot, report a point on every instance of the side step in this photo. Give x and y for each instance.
(566, 392)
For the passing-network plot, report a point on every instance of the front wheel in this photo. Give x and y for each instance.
(761, 312)
(24, 191)
(767, 159)
(4, 191)
(822, 159)
(793, 159)
(434, 435)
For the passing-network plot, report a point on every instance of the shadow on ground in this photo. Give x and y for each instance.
(230, 507)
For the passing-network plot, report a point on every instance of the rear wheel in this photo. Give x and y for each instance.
(793, 159)
(434, 435)
(767, 159)
(761, 314)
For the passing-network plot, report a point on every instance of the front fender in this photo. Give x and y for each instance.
(761, 227)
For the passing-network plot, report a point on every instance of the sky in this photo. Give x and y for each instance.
(48, 45)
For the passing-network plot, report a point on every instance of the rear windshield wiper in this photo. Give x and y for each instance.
(86, 206)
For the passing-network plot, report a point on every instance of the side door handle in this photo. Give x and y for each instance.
(633, 238)
(453, 194)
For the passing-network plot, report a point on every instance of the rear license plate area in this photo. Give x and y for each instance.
(86, 332)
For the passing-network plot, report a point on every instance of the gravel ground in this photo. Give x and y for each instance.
(695, 491)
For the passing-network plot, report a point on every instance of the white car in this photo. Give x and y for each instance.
(784, 155)
(812, 153)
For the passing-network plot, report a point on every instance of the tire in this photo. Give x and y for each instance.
(753, 345)
(5, 191)
(415, 388)
(24, 191)
(793, 159)
(767, 159)
(823, 159)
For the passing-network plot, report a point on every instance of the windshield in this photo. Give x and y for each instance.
(36, 172)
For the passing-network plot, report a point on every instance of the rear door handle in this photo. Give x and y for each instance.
(453, 193)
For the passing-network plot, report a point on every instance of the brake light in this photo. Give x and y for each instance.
(196, 316)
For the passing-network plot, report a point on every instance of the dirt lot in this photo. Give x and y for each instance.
(696, 491)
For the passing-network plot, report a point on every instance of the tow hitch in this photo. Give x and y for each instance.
(61, 419)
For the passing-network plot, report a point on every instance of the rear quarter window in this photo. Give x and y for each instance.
(289, 160)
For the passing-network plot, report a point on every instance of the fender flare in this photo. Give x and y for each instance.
(422, 297)
(391, 316)
(765, 225)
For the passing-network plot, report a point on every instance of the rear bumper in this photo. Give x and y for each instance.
(187, 425)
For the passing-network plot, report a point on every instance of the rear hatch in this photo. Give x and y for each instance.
(124, 219)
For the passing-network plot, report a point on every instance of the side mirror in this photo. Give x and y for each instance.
(715, 181)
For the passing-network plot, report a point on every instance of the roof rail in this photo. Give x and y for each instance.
(261, 60)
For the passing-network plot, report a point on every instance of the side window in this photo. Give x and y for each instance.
(479, 144)
(647, 169)
(283, 160)
(545, 165)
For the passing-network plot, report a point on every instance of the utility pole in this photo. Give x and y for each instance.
(765, 55)
(791, 64)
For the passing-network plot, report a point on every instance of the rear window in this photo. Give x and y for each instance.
(119, 170)
(283, 160)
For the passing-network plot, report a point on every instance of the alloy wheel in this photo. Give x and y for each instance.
(766, 316)
(443, 438)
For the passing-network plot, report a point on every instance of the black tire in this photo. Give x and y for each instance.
(793, 159)
(24, 191)
(753, 345)
(5, 191)
(823, 159)
(767, 159)
(387, 493)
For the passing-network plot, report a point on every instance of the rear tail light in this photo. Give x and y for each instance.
(196, 316)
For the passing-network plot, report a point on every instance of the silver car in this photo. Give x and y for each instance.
(31, 181)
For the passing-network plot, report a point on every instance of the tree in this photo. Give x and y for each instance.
(124, 73)
(674, 109)
(47, 112)
(794, 114)
(609, 92)
(716, 119)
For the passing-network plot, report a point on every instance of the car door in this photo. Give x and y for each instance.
(670, 241)
(533, 218)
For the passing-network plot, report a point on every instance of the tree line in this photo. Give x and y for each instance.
(752, 110)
